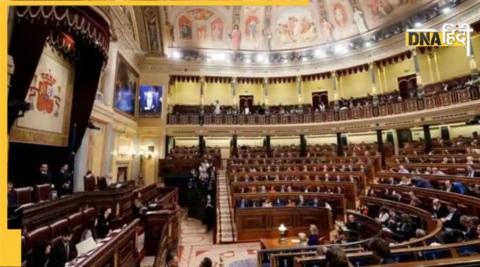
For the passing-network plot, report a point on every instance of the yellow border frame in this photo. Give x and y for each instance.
(10, 240)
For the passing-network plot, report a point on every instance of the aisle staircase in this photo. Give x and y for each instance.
(226, 232)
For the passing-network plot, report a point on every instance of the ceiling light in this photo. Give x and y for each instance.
(219, 56)
(176, 55)
(260, 58)
(417, 24)
(319, 53)
(340, 49)
(368, 44)
(248, 60)
(446, 10)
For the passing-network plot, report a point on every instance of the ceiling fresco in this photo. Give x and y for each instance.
(279, 28)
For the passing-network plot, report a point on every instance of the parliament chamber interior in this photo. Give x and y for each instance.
(240, 136)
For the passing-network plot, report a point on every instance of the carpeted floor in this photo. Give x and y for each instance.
(195, 245)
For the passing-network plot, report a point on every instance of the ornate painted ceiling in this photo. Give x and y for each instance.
(281, 28)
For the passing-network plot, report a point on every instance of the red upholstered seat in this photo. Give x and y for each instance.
(39, 234)
(75, 222)
(24, 195)
(89, 213)
(57, 228)
(43, 192)
(89, 183)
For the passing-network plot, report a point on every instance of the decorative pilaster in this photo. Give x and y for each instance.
(335, 85)
(202, 89)
(265, 85)
(299, 89)
(373, 78)
(416, 64)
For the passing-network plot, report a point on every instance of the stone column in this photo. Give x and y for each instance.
(335, 85)
(201, 145)
(303, 146)
(373, 78)
(428, 138)
(471, 58)
(339, 145)
(268, 147)
(299, 89)
(107, 153)
(380, 146)
(233, 86)
(108, 76)
(416, 64)
(202, 89)
(265, 90)
(81, 164)
(234, 146)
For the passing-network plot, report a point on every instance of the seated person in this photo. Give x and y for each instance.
(352, 225)
(313, 237)
(279, 203)
(64, 251)
(452, 220)
(40, 256)
(290, 203)
(404, 230)
(64, 181)
(303, 240)
(104, 222)
(89, 231)
(138, 206)
(267, 203)
(381, 251)
(243, 203)
(383, 216)
(439, 209)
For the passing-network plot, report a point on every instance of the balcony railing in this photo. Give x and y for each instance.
(409, 105)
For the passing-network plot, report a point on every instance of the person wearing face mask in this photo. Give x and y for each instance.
(64, 251)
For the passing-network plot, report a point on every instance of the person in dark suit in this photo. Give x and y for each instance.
(422, 183)
(44, 176)
(104, 222)
(381, 251)
(452, 220)
(12, 196)
(405, 228)
(352, 227)
(40, 254)
(63, 251)
(470, 225)
(439, 209)
(64, 181)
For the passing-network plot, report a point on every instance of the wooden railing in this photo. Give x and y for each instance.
(276, 257)
(444, 255)
(408, 105)
(119, 251)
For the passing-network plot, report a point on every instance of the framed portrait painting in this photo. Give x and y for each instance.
(150, 100)
(126, 83)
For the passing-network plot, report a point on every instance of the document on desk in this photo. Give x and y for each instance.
(85, 246)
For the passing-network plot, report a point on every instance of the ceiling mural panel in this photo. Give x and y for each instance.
(278, 28)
